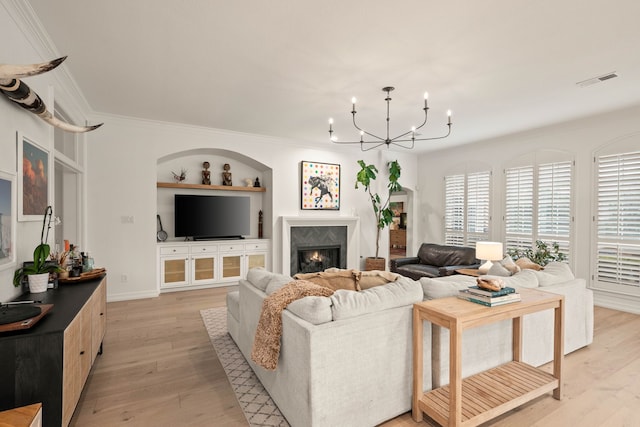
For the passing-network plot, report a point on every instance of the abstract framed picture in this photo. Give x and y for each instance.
(320, 186)
(34, 179)
(8, 222)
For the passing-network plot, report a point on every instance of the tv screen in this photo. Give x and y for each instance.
(211, 217)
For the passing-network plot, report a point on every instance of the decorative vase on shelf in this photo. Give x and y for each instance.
(38, 282)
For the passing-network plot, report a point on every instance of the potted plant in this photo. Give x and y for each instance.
(542, 255)
(384, 215)
(38, 272)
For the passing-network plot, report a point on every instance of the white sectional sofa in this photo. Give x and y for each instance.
(346, 359)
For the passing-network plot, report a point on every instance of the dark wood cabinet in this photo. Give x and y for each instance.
(50, 362)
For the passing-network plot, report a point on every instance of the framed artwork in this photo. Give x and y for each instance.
(8, 222)
(34, 179)
(320, 186)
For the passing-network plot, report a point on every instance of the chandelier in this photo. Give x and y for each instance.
(401, 140)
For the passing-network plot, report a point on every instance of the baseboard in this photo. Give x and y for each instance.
(628, 303)
(126, 296)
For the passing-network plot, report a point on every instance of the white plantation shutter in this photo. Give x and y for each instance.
(454, 209)
(538, 205)
(467, 208)
(554, 204)
(519, 208)
(618, 219)
(478, 217)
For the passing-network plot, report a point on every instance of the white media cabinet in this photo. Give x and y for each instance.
(206, 264)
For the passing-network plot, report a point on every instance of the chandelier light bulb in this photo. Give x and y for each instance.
(353, 100)
(330, 121)
(449, 116)
(426, 95)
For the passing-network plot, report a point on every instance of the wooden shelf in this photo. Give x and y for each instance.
(210, 187)
(490, 393)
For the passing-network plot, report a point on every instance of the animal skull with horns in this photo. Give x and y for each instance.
(20, 93)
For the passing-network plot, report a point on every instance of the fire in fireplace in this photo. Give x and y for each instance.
(318, 258)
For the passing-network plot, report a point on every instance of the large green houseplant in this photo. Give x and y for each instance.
(383, 214)
(41, 254)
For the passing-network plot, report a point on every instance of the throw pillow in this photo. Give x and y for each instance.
(508, 263)
(525, 262)
(370, 279)
(345, 279)
(497, 269)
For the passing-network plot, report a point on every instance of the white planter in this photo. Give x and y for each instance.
(38, 282)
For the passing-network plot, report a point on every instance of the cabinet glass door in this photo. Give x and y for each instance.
(231, 266)
(204, 268)
(174, 271)
(257, 260)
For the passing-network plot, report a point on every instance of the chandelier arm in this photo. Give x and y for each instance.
(370, 148)
(405, 146)
(364, 131)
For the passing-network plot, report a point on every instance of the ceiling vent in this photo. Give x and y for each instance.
(597, 79)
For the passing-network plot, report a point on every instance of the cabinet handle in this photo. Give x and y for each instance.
(101, 314)
(82, 352)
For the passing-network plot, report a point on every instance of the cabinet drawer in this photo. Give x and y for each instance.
(195, 250)
(259, 246)
(231, 247)
(174, 250)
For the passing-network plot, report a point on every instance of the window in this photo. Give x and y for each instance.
(467, 208)
(538, 200)
(618, 220)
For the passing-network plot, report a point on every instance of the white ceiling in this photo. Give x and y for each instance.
(283, 67)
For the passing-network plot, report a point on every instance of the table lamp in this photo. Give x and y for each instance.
(488, 251)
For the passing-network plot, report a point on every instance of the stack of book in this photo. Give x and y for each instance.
(489, 298)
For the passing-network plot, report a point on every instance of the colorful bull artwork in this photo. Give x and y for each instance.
(20, 93)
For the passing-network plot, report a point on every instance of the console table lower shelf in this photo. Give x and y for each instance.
(490, 393)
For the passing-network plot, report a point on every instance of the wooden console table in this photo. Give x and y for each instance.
(481, 397)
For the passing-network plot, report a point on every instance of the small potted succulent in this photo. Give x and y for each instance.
(38, 272)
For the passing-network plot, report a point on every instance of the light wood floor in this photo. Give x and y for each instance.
(159, 369)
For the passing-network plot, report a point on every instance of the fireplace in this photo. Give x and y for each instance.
(318, 258)
(305, 232)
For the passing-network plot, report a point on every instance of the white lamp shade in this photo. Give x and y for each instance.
(491, 251)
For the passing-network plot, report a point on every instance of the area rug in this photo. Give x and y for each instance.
(254, 400)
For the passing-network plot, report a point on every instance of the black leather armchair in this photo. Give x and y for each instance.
(435, 260)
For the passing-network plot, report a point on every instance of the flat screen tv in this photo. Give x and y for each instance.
(212, 217)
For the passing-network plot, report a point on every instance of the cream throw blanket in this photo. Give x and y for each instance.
(266, 343)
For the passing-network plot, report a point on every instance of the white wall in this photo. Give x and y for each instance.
(582, 138)
(122, 169)
(22, 50)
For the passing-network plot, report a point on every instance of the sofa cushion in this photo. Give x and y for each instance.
(233, 304)
(276, 282)
(441, 255)
(313, 309)
(403, 291)
(344, 279)
(259, 277)
(447, 286)
(554, 272)
(524, 279)
(418, 270)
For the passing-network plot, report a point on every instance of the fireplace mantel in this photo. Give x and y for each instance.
(353, 235)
